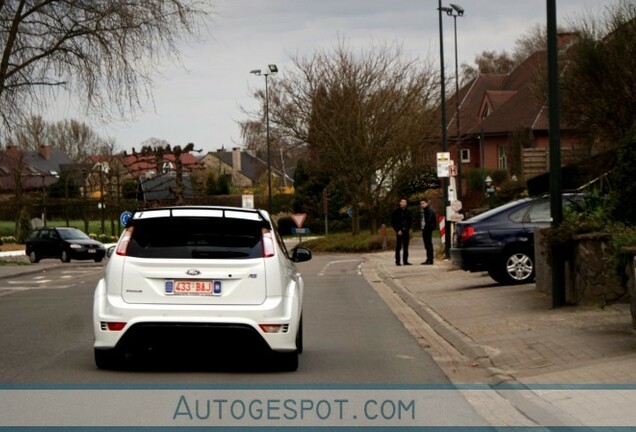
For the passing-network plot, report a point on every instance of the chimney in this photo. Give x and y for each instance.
(236, 160)
(11, 150)
(566, 39)
(45, 152)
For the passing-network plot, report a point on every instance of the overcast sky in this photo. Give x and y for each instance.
(201, 102)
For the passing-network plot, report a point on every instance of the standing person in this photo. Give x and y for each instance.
(428, 219)
(401, 222)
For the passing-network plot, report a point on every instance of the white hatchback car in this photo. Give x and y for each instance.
(213, 277)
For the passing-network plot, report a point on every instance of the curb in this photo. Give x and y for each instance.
(451, 334)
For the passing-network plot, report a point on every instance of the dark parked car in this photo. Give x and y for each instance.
(64, 243)
(501, 240)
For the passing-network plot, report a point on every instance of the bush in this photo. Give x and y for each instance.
(594, 217)
(348, 243)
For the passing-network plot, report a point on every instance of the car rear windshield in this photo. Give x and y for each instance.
(196, 237)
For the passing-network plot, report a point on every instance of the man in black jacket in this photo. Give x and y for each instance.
(429, 224)
(401, 222)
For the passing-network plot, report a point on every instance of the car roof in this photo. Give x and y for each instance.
(518, 203)
(501, 208)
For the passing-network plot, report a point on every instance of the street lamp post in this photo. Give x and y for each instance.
(447, 238)
(455, 11)
(271, 69)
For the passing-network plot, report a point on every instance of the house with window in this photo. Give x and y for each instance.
(245, 169)
(109, 173)
(30, 170)
(503, 120)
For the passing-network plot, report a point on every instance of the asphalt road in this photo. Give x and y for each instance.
(351, 337)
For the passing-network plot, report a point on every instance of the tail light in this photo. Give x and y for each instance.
(466, 233)
(124, 241)
(268, 245)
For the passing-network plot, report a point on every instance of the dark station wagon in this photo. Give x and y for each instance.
(63, 243)
(500, 241)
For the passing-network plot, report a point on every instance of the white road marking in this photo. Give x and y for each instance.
(324, 269)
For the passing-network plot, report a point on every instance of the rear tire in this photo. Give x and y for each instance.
(99, 259)
(285, 361)
(516, 267)
(299, 337)
(108, 358)
(34, 258)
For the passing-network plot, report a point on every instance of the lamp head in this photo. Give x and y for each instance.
(272, 68)
(448, 10)
(255, 71)
(458, 9)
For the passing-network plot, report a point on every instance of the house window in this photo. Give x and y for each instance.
(502, 158)
(465, 153)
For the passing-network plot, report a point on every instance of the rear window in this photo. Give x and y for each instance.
(196, 237)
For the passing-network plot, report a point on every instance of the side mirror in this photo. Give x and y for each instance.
(300, 254)
(110, 251)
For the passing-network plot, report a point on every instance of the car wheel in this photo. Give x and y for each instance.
(108, 358)
(497, 275)
(99, 259)
(299, 337)
(285, 361)
(516, 267)
(65, 257)
(33, 257)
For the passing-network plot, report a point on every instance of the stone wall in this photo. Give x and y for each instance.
(590, 276)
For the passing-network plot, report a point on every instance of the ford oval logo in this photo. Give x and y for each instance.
(193, 272)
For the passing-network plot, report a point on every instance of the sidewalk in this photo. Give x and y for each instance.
(511, 333)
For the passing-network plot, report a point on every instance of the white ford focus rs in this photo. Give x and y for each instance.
(219, 278)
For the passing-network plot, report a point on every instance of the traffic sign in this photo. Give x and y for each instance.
(299, 219)
(125, 217)
(456, 205)
(443, 164)
(300, 231)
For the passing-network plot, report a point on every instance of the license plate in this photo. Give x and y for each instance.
(193, 287)
(92, 251)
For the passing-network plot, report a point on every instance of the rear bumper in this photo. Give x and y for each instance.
(475, 259)
(84, 255)
(224, 327)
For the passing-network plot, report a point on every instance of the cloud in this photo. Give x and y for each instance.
(201, 103)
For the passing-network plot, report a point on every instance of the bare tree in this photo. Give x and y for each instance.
(360, 114)
(285, 148)
(105, 51)
(492, 62)
(489, 62)
(33, 135)
(77, 139)
(599, 81)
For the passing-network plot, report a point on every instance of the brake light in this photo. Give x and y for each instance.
(124, 241)
(274, 328)
(467, 232)
(114, 326)
(268, 245)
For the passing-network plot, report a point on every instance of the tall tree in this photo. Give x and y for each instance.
(492, 62)
(77, 139)
(599, 83)
(359, 114)
(105, 51)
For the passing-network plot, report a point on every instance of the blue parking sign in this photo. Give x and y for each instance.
(125, 217)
